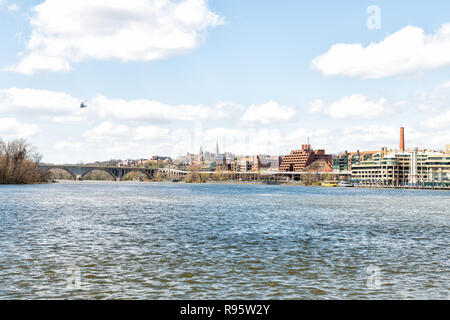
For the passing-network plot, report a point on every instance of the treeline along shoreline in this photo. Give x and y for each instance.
(19, 163)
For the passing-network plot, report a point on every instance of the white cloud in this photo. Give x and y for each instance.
(106, 131)
(445, 85)
(60, 107)
(355, 106)
(109, 140)
(63, 120)
(435, 100)
(374, 133)
(68, 145)
(408, 50)
(143, 110)
(333, 140)
(10, 128)
(149, 133)
(267, 113)
(316, 106)
(442, 120)
(10, 6)
(13, 7)
(66, 31)
(42, 102)
(374, 137)
(262, 141)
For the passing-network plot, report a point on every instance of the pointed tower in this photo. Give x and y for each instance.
(217, 148)
(200, 158)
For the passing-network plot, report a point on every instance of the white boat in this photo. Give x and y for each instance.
(345, 184)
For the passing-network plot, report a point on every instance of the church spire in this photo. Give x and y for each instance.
(217, 148)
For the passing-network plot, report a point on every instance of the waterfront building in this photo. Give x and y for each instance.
(345, 161)
(266, 163)
(340, 162)
(297, 160)
(226, 162)
(245, 164)
(403, 167)
(255, 163)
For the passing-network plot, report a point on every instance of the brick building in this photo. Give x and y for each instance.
(320, 165)
(299, 159)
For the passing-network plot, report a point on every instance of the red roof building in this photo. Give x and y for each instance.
(299, 159)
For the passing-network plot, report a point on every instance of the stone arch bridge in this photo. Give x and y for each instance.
(117, 173)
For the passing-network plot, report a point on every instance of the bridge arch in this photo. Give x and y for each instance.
(116, 173)
(52, 169)
(147, 172)
(100, 170)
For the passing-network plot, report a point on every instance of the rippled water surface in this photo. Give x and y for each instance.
(180, 241)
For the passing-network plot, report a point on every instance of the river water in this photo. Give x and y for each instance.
(118, 240)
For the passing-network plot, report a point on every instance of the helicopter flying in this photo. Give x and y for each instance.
(83, 105)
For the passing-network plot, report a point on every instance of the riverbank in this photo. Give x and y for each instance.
(237, 182)
(403, 187)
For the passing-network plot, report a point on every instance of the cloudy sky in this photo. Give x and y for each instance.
(163, 77)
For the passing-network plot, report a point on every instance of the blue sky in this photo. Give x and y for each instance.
(164, 77)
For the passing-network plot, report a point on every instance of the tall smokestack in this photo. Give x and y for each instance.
(402, 139)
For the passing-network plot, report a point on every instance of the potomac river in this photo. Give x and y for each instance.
(119, 240)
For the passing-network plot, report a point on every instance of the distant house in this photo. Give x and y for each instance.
(159, 160)
(127, 163)
(208, 167)
(141, 162)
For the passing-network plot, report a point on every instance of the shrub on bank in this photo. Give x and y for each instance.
(19, 163)
(197, 177)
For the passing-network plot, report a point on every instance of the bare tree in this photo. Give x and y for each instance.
(19, 163)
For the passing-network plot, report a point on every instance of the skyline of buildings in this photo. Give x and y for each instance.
(391, 167)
